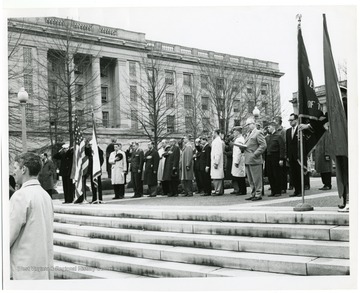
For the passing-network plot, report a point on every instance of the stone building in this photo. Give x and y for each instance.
(81, 68)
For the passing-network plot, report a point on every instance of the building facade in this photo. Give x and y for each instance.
(135, 88)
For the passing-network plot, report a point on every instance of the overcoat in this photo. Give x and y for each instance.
(31, 233)
(217, 157)
(151, 167)
(46, 175)
(187, 170)
(161, 164)
(118, 168)
(238, 157)
(171, 167)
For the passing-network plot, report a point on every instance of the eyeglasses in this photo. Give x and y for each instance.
(290, 120)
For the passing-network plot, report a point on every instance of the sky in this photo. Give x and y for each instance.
(253, 31)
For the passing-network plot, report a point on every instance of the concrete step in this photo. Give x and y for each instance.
(273, 263)
(148, 267)
(240, 215)
(66, 270)
(319, 248)
(296, 231)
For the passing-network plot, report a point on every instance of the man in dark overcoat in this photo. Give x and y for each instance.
(47, 174)
(137, 164)
(151, 168)
(205, 163)
(171, 168)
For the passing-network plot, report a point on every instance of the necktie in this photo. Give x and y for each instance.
(293, 132)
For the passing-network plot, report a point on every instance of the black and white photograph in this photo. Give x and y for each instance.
(181, 146)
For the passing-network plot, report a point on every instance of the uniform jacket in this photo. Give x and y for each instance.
(31, 233)
(118, 168)
(238, 157)
(187, 171)
(255, 147)
(46, 175)
(151, 165)
(66, 161)
(217, 157)
(137, 160)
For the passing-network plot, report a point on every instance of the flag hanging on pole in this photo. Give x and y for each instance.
(81, 161)
(309, 106)
(337, 118)
(96, 168)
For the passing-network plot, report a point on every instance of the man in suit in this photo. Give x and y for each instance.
(110, 148)
(151, 169)
(292, 154)
(284, 169)
(204, 165)
(274, 158)
(137, 163)
(255, 146)
(187, 172)
(65, 155)
(174, 165)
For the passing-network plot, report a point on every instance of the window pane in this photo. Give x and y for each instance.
(188, 124)
(187, 79)
(205, 103)
(132, 68)
(169, 77)
(134, 119)
(104, 94)
(79, 92)
(170, 101)
(133, 93)
(28, 83)
(236, 106)
(27, 55)
(188, 103)
(204, 81)
(105, 120)
(170, 121)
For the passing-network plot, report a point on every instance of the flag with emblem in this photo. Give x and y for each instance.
(80, 162)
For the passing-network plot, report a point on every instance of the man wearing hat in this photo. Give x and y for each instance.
(255, 146)
(238, 161)
(65, 155)
(274, 158)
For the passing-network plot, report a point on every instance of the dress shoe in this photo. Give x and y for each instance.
(325, 188)
(216, 194)
(277, 194)
(206, 194)
(345, 209)
(190, 195)
(307, 187)
(234, 192)
(175, 195)
(256, 198)
(250, 198)
(283, 191)
(291, 188)
(152, 195)
(116, 197)
(295, 194)
(239, 193)
(136, 196)
(271, 195)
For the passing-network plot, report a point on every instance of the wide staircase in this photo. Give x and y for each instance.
(114, 242)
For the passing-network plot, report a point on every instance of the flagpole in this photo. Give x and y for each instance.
(302, 206)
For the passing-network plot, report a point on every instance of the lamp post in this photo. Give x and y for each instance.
(256, 113)
(23, 98)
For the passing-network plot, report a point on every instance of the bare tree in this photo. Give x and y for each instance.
(151, 100)
(224, 86)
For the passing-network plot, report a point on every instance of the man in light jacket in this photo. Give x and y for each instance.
(217, 162)
(255, 146)
(187, 173)
(118, 163)
(31, 223)
(238, 162)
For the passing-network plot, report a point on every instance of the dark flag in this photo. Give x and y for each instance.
(336, 116)
(309, 106)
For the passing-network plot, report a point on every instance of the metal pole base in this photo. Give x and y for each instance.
(303, 207)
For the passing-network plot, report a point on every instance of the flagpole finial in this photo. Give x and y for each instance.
(298, 17)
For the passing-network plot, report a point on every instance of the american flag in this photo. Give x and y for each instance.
(80, 161)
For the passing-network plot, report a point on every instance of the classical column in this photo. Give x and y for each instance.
(122, 97)
(96, 95)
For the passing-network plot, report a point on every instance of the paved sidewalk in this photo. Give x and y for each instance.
(314, 197)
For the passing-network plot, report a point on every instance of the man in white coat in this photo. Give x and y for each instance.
(238, 161)
(217, 162)
(255, 145)
(117, 160)
(31, 223)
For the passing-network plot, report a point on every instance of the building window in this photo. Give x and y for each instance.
(187, 79)
(30, 113)
(204, 82)
(236, 122)
(28, 83)
(251, 106)
(236, 106)
(78, 68)
(170, 100)
(133, 94)
(170, 122)
(104, 94)
(169, 77)
(134, 119)
(264, 105)
(80, 116)
(219, 84)
(188, 124)
(188, 103)
(249, 87)
(105, 119)
(52, 90)
(205, 103)
(103, 70)
(236, 85)
(132, 68)
(206, 124)
(79, 95)
(264, 89)
(27, 55)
